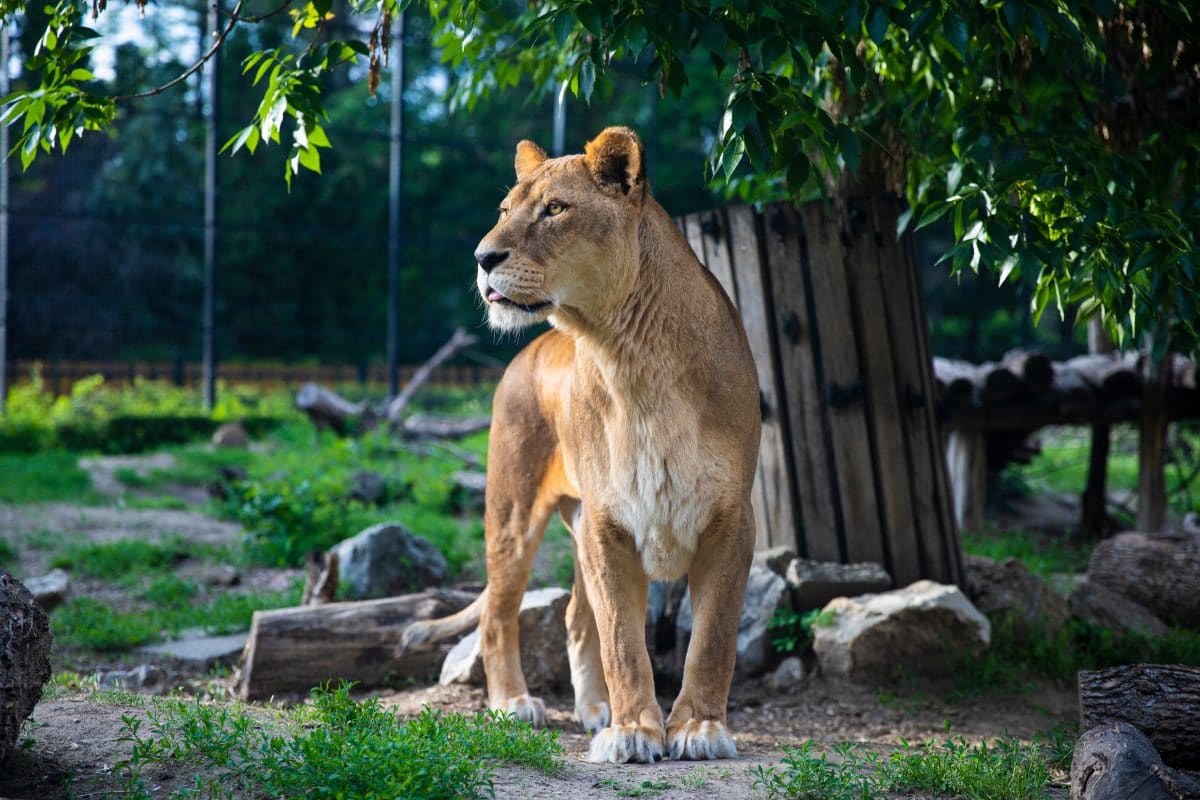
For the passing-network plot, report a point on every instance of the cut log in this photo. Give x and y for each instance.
(1036, 369)
(1161, 700)
(1162, 575)
(1000, 384)
(1111, 376)
(955, 381)
(291, 650)
(327, 409)
(420, 426)
(1118, 762)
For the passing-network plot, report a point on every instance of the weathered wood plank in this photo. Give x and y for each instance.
(773, 491)
(714, 230)
(793, 331)
(842, 385)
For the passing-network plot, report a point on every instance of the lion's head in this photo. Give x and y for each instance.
(566, 241)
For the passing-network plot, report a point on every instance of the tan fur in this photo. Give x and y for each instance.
(637, 418)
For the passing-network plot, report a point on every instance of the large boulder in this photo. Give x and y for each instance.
(1095, 603)
(1008, 589)
(543, 635)
(815, 583)
(921, 629)
(386, 560)
(24, 658)
(766, 593)
(231, 435)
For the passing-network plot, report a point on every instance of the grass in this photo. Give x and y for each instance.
(123, 558)
(1043, 555)
(48, 476)
(1003, 769)
(334, 748)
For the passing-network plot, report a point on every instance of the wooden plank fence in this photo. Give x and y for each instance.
(58, 375)
(851, 466)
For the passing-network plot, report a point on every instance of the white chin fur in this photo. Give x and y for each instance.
(508, 318)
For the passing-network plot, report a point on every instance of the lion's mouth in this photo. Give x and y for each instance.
(494, 296)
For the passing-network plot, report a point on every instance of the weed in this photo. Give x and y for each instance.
(335, 747)
(644, 788)
(807, 776)
(1043, 555)
(85, 622)
(1058, 744)
(122, 558)
(8, 553)
(42, 539)
(44, 477)
(794, 631)
(130, 477)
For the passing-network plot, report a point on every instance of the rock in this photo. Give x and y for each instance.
(50, 589)
(766, 593)
(24, 657)
(221, 575)
(775, 559)
(543, 635)
(787, 675)
(145, 678)
(232, 435)
(1008, 588)
(815, 583)
(200, 649)
(923, 628)
(368, 488)
(1099, 605)
(386, 560)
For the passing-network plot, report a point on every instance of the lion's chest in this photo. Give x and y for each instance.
(658, 481)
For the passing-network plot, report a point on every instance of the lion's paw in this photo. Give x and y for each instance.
(621, 744)
(700, 740)
(594, 717)
(526, 708)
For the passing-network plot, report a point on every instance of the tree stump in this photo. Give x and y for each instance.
(24, 658)
(1161, 700)
(1118, 762)
(1162, 575)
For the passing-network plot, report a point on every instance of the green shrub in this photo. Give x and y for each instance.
(792, 632)
(335, 748)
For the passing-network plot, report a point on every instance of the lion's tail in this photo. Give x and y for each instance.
(434, 630)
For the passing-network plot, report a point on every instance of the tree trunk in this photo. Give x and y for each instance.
(1152, 448)
(966, 460)
(1093, 519)
(1163, 701)
(291, 650)
(1162, 575)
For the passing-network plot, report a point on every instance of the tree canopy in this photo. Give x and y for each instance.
(1059, 140)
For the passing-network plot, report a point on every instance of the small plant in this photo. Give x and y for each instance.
(793, 632)
(644, 788)
(334, 748)
(122, 558)
(806, 775)
(8, 553)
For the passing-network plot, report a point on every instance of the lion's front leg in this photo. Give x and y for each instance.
(696, 728)
(617, 587)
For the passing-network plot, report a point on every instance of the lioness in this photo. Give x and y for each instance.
(637, 418)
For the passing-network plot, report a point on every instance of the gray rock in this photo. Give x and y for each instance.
(766, 593)
(145, 678)
(542, 625)
(922, 628)
(1099, 605)
(386, 560)
(200, 649)
(24, 658)
(221, 575)
(815, 583)
(232, 435)
(50, 589)
(788, 675)
(369, 488)
(1008, 588)
(775, 559)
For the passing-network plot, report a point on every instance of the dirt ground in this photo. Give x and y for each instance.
(75, 737)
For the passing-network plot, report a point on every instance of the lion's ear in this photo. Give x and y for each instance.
(529, 157)
(615, 160)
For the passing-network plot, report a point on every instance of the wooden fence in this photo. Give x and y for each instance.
(59, 375)
(851, 466)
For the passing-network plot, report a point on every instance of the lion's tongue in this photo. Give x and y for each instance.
(493, 296)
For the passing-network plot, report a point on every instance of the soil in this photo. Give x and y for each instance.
(74, 738)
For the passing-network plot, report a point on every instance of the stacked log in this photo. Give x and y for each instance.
(1025, 391)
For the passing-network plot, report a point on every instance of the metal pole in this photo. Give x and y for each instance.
(212, 87)
(395, 229)
(3, 227)
(560, 119)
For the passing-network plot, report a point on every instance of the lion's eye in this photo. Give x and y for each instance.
(554, 209)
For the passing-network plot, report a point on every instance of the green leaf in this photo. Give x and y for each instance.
(933, 214)
(587, 79)
(849, 147)
(877, 24)
(81, 74)
(954, 177)
(310, 159)
(903, 221)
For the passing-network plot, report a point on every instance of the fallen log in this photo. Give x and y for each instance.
(327, 409)
(1161, 700)
(291, 650)
(1111, 376)
(1160, 574)
(458, 341)
(422, 427)
(1118, 762)
(955, 381)
(1000, 384)
(1036, 369)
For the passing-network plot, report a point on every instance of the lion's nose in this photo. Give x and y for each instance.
(490, 259)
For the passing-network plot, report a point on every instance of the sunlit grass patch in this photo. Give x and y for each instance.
(47, 476)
